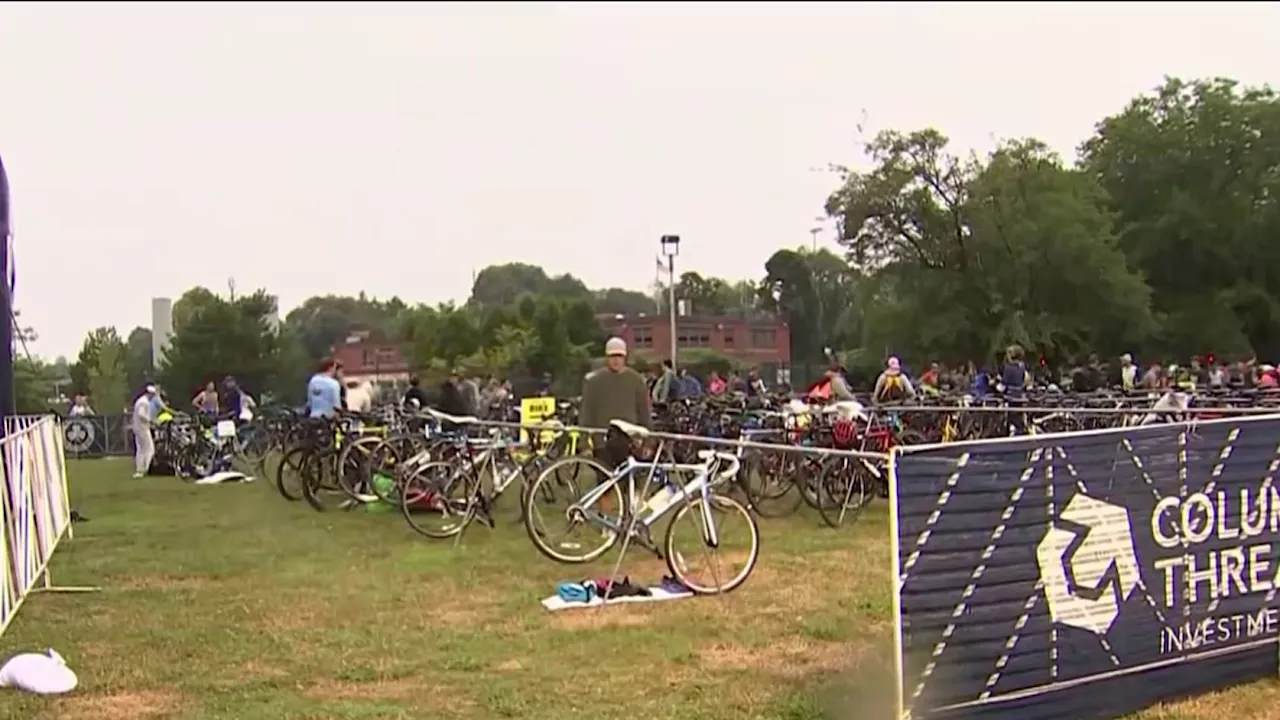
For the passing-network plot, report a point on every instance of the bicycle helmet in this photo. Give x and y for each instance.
(843, 432)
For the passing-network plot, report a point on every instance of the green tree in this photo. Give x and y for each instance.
(324, 321)
(33, 385)
(813, 292)
(138, 364)
(959, 258)
(500, 285)
(1191, 173)
(108, 385)
(224, 338)
(87, 358)
(619, 301)
(190, 303)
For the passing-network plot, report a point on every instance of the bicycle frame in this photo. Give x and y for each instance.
(700, 485)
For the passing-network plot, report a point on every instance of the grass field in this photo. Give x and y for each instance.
(228, 602)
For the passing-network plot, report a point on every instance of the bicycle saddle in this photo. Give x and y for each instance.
(629, 429)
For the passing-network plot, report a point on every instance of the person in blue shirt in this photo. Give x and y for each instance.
(689, 385)
(981, 384)
(231, 402)
(324, 394)
(158, 404)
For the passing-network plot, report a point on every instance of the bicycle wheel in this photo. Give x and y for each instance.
(252, 444)
(724, 554)
(555, 496)
(437, 500)
(321, 487)
(770, 486)
(289, 474)
(843, 490)
(807, 472)
(356, 463)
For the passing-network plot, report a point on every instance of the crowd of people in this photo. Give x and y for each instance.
(1124, 373)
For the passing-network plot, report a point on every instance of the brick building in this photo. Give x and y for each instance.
(363, 358)
(763, 342)
(758, 342)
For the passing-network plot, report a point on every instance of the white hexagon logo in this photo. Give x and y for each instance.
(1076, 568)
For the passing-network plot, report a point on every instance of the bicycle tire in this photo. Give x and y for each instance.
(675, 565)
(290, 464)
(318, 467)
(355, 458)
(840, 482)
(408, 501)
(543, 484)
(770, 504)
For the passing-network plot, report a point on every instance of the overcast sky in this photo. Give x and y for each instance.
(332, 148)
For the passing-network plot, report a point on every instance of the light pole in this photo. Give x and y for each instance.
(671, 248)
(815, 231)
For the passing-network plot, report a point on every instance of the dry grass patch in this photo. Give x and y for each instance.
(283, 618)
(392, 689)
(445, 700)
(139, 705)
(257, 669)
(790, 657)
(161, 582)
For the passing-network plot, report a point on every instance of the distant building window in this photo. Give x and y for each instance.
(728, 337)
(694, 337)
(764, 338)
(366, 357)
(642, 337)
(386, 356)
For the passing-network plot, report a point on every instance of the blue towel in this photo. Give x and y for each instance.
(574, 592)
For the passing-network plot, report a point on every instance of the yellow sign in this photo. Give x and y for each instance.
(535, 410)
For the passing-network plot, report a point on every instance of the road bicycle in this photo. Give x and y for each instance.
(441, 495)
(597, 519)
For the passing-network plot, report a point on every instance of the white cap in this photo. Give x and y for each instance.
(151, 389)
(615, 346)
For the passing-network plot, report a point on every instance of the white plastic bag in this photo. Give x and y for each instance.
(43, 673)
(225, 429)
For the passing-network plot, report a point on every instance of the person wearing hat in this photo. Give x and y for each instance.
(142, 418)
(615, 391)
(892, 385)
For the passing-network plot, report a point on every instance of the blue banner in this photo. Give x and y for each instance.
(1087, 575)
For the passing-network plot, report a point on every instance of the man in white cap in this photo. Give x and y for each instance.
(144, 442)
(615, 391)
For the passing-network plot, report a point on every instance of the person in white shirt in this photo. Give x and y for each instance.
(360, 396)
(80, 406)
(144, 442)
(1128, 372)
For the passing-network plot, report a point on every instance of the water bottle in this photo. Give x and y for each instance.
(662, 499)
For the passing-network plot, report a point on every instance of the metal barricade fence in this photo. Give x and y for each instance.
(35, 512)
(542, 429)
(92, 436)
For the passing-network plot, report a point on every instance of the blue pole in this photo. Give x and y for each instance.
(7, 408)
